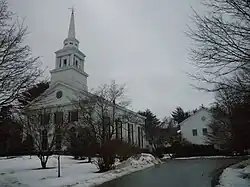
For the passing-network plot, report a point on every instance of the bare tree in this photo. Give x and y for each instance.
(230, 124)
(18, 69)
(222, 42)
(220, 133)
(48, 135)
(103, 113)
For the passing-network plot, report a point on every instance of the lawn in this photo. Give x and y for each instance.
(25, 171)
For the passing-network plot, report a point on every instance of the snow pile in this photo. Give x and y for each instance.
(139, 161)
(236, 176)
(167, 156)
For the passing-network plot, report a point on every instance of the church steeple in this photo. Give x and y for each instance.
(71, 41)
(69, 64)
(72, 32)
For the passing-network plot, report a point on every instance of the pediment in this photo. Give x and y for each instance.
(51, 97)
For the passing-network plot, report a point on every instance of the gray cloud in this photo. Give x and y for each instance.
(137, 42)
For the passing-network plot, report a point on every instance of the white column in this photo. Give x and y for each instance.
(71, 62)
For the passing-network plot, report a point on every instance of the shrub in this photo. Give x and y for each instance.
(195, 150)
(126, 150)
(105, 163)
(112, 149)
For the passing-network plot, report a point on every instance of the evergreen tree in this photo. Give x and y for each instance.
(33, 92)
(179, 115)
(151, 127)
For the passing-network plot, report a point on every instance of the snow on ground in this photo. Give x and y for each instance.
(166, 156)
(24, 172)
(236, 176)
(201, 157)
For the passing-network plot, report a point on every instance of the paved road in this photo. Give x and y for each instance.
(173, 173)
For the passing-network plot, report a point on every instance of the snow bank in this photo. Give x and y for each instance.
(23, 172)
(236, 176)
(132, 164)
(202, 157)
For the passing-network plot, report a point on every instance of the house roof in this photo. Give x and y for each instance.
(196, 113)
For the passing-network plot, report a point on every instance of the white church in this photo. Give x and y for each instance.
(67, 79)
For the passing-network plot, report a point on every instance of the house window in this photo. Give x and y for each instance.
(194, 132)
(73, 116)
(204, 131)
(71, 43)
(65, 62)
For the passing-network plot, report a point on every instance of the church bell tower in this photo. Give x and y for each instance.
(69, 63)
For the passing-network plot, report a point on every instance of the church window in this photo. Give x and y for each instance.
(73, 116)
(45, 118)
(139, 136)
(65, 62)
(58, 94)
(44, 139)
(58, 118)
(118, 129)
(76, 63)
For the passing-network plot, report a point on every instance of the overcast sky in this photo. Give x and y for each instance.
(137, 42)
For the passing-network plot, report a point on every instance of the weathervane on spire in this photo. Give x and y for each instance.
(72, 9)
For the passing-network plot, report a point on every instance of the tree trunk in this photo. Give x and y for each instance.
(89, 159)
(43, 163)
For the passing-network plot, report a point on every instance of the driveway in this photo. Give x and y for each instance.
(174, 173)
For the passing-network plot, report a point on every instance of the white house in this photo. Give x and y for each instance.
(68, 79)
(195, 128)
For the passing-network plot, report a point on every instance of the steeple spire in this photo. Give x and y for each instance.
(71, 33)
(71, 40)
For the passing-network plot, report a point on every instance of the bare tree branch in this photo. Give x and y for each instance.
(18, 69)
(222, 41)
